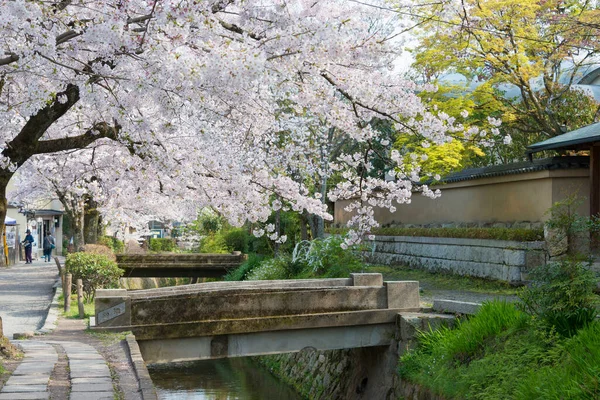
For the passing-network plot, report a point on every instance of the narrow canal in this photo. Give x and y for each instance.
(229, 379)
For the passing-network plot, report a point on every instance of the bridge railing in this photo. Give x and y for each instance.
(204, 309)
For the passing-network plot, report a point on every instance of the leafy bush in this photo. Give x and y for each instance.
(273, 268)
(326, 257)
(96, 271)
(213, 243)
(562, 295)
(236, 239)
(240, 273)
(115, 244)
(162, 244)
(520, 235)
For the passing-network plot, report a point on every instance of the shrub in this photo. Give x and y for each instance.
(115, 244)
(236, 239)
(213, 243)
(326, 257)
(273, 268)
(96, 271)
(241, 272)
(161, 244)
(562, 295)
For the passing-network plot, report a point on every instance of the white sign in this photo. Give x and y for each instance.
(111, 313)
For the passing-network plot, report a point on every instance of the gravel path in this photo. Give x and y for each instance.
(460, 295)
(26, 291)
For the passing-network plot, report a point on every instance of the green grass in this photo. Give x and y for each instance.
(442, 281)
(502, 353)
(517, 234)
(88, 308)
(108, 338)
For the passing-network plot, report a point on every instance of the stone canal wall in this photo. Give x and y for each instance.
(354, 374)
(336, 374)
(503, 260)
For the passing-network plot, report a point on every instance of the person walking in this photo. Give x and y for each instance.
(49, 244)
(28, 244)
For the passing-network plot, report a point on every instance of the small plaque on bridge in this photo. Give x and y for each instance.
(111, 313)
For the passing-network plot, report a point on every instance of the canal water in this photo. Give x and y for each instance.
(223, 379)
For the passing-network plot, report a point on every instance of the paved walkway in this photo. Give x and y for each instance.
(62, 365)
(26, 291)
(89, 375)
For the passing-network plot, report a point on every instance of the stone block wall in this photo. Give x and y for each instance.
(313, 374)
(494, 259)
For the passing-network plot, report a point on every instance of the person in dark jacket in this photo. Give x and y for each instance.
(28, 244)
(48, 246)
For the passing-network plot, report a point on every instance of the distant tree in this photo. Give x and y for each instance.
(539, 47)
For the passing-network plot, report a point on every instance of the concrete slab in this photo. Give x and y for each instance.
(91, 387)
(89, 374)
(92, 380)
(455, 307)
(8, 388)
(25, 396)
(28, 379)
(92, 396)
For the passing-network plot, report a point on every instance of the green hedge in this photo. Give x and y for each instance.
(520, 235)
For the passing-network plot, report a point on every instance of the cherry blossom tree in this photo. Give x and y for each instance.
(187, 98)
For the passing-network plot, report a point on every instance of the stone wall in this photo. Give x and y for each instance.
(494, 259)
(362, 373)
(355, 374)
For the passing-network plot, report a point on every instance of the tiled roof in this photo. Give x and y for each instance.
(587, 134)
(572, 162)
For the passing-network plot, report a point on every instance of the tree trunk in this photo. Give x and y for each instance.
(78, 237)
(303, 224)
(91, 223)
(277, 230)
(3, 209)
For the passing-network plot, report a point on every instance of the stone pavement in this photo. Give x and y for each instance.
(26, 291)
(89, 375)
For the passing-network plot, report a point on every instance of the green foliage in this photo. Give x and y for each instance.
(236, 239)
(520, 235)
(326, 257)
(567, 224)
(162, 244)
(272, 268)
(96, 271)
(207, 223)
(115, 244)
(240, 273)
(562, 295)
(213, 243)
(575, 375)
(500, 353)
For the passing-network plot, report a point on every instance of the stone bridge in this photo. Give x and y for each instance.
(188, 265)
(237, 319)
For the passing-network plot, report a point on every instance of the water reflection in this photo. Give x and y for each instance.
(224, 379)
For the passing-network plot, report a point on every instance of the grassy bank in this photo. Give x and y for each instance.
(503, 353)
